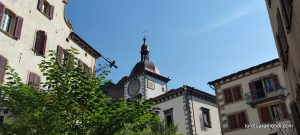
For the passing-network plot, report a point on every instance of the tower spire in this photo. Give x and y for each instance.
(144, 51)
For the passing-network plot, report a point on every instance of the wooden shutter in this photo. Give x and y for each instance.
(3, 63)
(80, 63)
(276, 82)
(90, 70)
(59, 53)
(295, 115)
(265, 116)
(252, 90)
(40, 42)
(19, 25)
(242, 119)
(237, 94)
(228, 96)
(40, 5)
(2, 9)
(232, 122)
(37, 81)
(51, 11)
(284, 111)
(31, 79)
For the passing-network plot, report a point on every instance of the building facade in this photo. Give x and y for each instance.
(193, 111)
(285, 21)
(29, 29)
(256, 95)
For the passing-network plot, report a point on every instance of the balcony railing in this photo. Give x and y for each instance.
(261, 96)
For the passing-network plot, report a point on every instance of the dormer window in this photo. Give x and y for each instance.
(46, 8)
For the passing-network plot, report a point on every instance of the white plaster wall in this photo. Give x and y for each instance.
(158, 88)
(19, 52)
(214, 117)
(178, 112)
(252, 113)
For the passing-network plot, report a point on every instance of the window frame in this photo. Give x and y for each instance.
(235, 115)
(12, 25)
(233, 97)
(169, 112)
(206, 111)
(287, 11)
(41, 7)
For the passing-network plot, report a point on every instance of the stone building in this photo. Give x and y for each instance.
(29, 29)
(285, 21)
(256, 95)
(194, 111)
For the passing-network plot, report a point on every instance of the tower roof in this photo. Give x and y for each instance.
(145, 64)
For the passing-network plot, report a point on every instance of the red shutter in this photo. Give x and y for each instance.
(51, 11)
(242, 119)
(31, 79)
(252, 90)
(59, 52)
(3, 63)
(40, 5)
(37, 81)
(228, 96)
(237, 94)
(19, 25)
(265, 115)
(2, 8)
(40, 42)
(232, 122)
(276, 82)
(284, 111)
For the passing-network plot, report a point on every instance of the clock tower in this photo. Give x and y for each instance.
(145, 79)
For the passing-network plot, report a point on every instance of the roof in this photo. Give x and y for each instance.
(244, 71)
(185, 90)
(144, 66)
(84, 45)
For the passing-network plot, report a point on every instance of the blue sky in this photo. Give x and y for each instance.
(192, 42)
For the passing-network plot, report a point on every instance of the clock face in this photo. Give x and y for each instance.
(134, 87)
(150, 84)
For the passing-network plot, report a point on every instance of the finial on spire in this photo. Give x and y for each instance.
(144, 51)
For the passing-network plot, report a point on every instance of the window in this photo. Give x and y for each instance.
(45, 8)
(262, 86)
(206, 117)
(163, 89)
(3, 62)
(282, 43)
(169, 116)
(34, 79)
(233, 94)
(287, 9)
(1, 120)
(10, 24)
(40, 42)
(273, 112)
(237, 120)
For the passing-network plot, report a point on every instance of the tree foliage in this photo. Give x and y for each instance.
(70, 101)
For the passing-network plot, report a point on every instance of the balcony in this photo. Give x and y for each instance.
(261, 96)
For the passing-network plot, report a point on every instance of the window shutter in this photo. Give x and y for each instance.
(59, 52)
(242, 119)
(252, 90)
(18, 29)
(40, 5)
(295, 115)
(233, 123)
(237, 93)
(3, 63)
(265, 115)
(51, 11)
(40, 42)
(2, 7)
(228, 96)
(31, 79)
(284, 111)
(80, 63)
(276, 82)
(37, 81)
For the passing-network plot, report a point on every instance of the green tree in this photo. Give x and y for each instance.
(70, 101)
